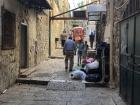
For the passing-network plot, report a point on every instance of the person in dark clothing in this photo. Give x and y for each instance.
(69, 52)
(91, 39)
(86, 47)
(63, 38)
(80, 48)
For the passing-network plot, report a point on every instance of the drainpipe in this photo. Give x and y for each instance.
(49, 33)
(111, 83)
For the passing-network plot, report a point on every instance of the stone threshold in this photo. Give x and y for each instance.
(46, 81)
(32, 81)
(95, 84)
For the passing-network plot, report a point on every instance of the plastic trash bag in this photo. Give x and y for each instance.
(78, 74)
(87, 60)
(93, 78)
(93, 65)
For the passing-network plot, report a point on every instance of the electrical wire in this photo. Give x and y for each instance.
(122, 5)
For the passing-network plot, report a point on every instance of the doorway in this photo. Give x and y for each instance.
(23, 46)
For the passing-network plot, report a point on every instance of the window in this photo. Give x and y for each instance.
(8, 29)
(79, 14)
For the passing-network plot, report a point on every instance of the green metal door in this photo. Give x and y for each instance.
(130, 60)
(127, 60)
(136, 88)
(124, 64)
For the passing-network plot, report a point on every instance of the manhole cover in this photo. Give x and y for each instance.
(65, 85)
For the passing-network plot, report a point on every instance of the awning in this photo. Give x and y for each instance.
(37, 4)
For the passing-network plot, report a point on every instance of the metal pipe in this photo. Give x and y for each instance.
(49, 33)
(69, 18)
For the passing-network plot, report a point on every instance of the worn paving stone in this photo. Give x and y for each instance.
(42, 103)
(40, 95)
(11, 102)
(75, 94)
(65, 86)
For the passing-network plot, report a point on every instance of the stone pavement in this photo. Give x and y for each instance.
(21, 94)
(52, 69)
(59, 90)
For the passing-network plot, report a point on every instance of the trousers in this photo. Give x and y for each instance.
(69, 56)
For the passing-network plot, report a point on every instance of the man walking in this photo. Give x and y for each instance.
(91, 39)
(69, 51)
(63, 38)
(80, 48)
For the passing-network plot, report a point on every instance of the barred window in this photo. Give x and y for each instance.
(8, 29)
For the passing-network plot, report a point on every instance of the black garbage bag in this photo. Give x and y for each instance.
(93, 71)
(93, 78)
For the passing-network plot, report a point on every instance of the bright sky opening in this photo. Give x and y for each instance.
(74, 3)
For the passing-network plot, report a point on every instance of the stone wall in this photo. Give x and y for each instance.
(118, 16)
(57, 26)
(9, 65)
(41, 46)
(37, 41)
(118, 11)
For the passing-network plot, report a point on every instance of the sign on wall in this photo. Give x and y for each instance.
(97, 8)
(94, 11)
(81, 14)
(94, 16)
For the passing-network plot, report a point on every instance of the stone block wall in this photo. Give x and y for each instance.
(118, 16)
(57, 26)
(118, 11)
(9, 65)
(37, 42)
(31, 36)
(42, 43)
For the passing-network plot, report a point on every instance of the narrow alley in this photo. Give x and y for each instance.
(69, 52)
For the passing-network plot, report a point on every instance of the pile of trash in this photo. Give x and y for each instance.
(88, 71)
(95, 67)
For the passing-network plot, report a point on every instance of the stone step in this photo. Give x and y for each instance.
(59, 84)
(95, 84)
(32, 81)
(27, 72)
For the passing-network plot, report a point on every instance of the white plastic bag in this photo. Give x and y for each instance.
(78, 74)
(93, 65)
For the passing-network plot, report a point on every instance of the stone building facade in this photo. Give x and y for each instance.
(115, 12)
(31, 37)
(117, 16)
(124, 16)
(58, 26)
(32, 23)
